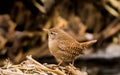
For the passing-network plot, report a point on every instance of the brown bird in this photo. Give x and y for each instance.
(63, 46)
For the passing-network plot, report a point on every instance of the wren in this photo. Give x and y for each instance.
(63, 46)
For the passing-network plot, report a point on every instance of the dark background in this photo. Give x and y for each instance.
(21, 34)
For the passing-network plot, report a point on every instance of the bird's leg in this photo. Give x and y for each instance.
(55, 66)
(73, 62)
(60, 63)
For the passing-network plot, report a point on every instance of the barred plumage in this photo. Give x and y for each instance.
(63, 46)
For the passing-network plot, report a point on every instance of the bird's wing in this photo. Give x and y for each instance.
(74, 47)
(71, 47)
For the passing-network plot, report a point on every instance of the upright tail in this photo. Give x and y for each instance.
(87, 44)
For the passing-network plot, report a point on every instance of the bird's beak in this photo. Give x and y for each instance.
(47, 30)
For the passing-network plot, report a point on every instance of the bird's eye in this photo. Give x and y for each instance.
(52, 33)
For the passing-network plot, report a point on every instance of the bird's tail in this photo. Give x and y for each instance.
(87, 44)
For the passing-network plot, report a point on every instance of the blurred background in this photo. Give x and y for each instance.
(21, 34)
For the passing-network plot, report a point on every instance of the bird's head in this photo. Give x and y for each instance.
(54, 33)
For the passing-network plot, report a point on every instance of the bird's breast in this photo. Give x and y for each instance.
(52, 46)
